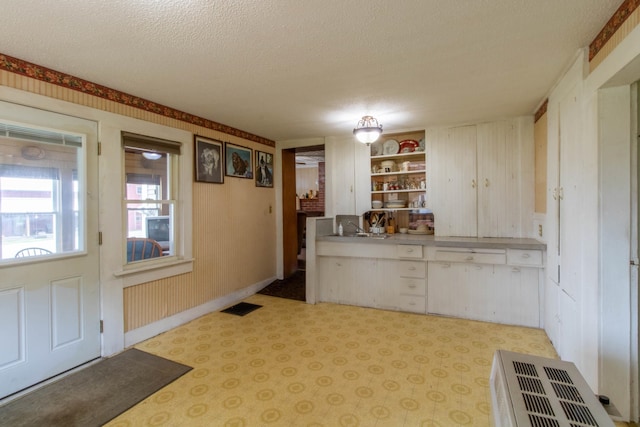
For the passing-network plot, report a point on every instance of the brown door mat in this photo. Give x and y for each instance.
(96, 394)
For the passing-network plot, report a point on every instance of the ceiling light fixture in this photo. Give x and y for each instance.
(368, 130)
(151, 156)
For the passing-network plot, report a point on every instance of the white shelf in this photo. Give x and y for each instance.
(398, 173)
(420, 190)
(419, 210)
(399, 155)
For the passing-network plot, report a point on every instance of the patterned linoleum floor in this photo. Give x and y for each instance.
(294, 364)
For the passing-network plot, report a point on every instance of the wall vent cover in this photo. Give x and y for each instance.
(541, 392)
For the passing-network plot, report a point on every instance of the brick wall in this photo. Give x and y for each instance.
(316, 204)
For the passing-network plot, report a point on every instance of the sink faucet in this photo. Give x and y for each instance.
(358, 229)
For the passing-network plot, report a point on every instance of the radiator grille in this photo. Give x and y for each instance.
(558, 397)
(538, 421)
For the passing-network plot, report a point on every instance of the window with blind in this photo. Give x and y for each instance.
(151, 191)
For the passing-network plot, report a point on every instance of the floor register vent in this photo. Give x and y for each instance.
(540, 392)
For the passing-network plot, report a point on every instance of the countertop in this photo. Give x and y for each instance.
(430, 240)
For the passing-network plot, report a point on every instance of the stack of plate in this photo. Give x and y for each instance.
(395, 204)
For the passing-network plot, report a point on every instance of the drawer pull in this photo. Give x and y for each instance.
(469, 258)
(410, 250)
(515, 270)
(412, 268)
(525, 256)
(447, 265)
(412, 286)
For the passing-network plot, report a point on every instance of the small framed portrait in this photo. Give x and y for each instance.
(209, 160)
(238, 161)
(264, 169)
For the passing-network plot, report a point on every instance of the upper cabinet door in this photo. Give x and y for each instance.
(452, 180)
(340, 169)
(498, 180)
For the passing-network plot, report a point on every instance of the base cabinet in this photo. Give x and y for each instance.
(403, 286)
(487, 284)
(493, 293)
(351, 281)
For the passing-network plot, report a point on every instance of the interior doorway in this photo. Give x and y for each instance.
(303, 195)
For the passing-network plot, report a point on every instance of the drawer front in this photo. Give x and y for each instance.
(412, 286)
(524, 257)
(410, 303)
(472, 257)
(412, 269)
(409, 251)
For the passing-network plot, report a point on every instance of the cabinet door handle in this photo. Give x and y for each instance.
(515, 270)
(555, 193)
(447, 265)
(486, 182)
(473, 183)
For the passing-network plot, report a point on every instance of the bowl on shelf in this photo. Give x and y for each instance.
(388, 165)
(376, 204)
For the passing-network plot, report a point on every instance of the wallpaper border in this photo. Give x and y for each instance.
(624, 11)
(18, 66)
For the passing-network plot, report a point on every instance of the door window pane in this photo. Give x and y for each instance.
(40, 197)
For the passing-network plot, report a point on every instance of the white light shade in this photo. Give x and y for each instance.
(368, 136)
(151, 156)
(367, 130)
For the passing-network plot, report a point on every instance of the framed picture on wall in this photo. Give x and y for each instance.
(264, 169)
(209, 160)
(238, 161)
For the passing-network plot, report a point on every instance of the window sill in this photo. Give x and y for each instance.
(148, 273)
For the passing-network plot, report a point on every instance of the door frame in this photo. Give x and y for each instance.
(278, 185)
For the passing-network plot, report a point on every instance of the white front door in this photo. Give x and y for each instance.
(49, 258)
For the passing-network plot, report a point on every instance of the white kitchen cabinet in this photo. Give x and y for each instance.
(347, 176)
(460, 290)
(403, 285)
(517, 296)
(452, 181)
(477, 284)
(480, 179)
(345, 280)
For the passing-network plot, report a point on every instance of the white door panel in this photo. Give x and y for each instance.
(49, 303)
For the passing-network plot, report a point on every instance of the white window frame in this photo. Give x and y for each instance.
(181, 261)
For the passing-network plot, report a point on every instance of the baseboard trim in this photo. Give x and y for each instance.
(152, 329)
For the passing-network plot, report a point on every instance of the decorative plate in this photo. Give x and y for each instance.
(390, 146)
(408, 145)
(376, 149)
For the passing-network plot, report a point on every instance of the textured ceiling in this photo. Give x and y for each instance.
(287, 69)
